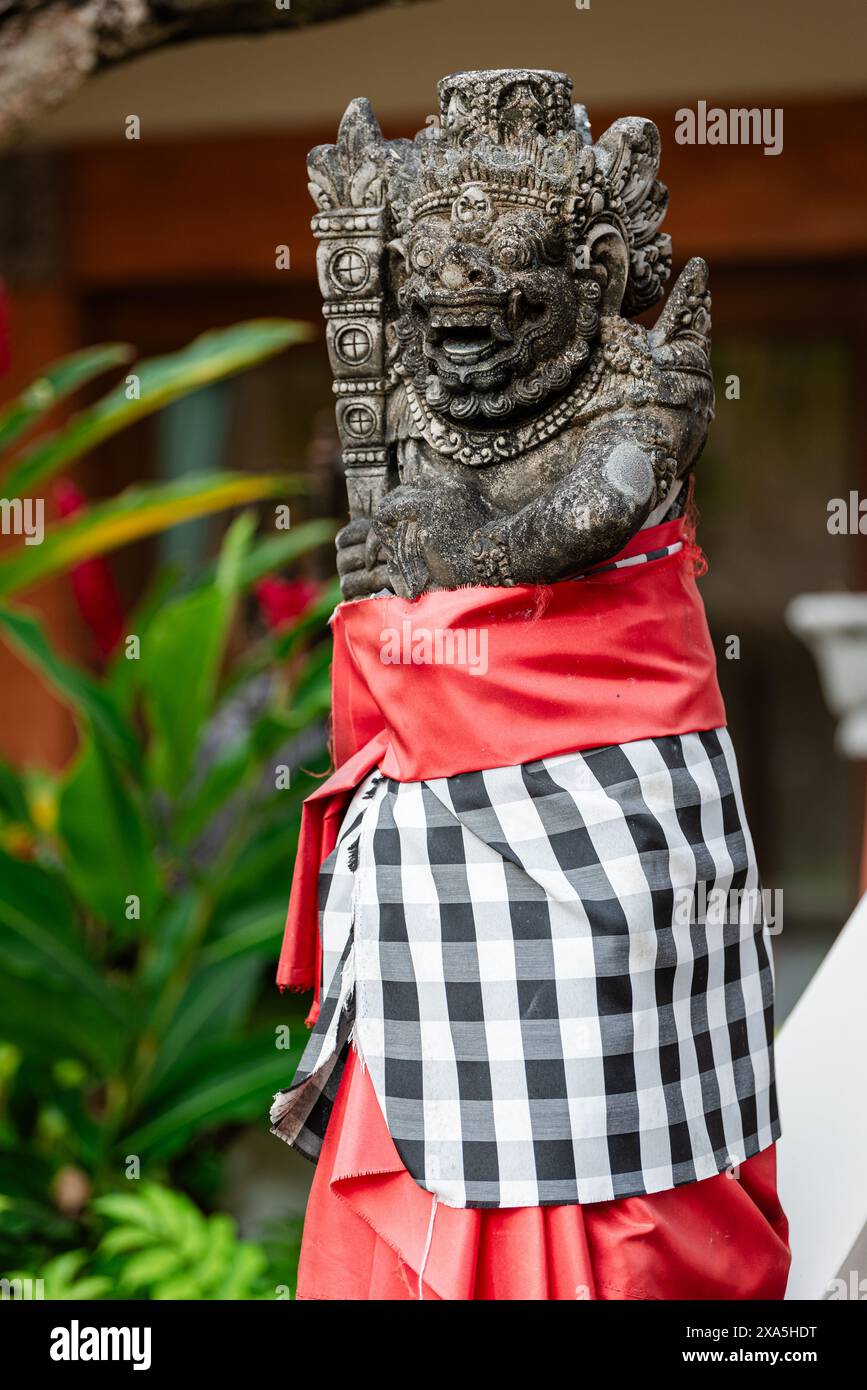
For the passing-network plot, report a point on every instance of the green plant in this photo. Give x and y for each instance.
(143, 888)
(156, 1244)
(61, 1279)
(170, 1250)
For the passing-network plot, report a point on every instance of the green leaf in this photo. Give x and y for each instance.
(121, 674)
(239, 1086)
(180, 665)
(185, 1288)
(96, 1287)
(227, 577)
(176, 933)
(27, 1215)
(256, 932)
(212, 357)
(35, 907)
(137, 512)
(221, 1246)
(311, 697)
(127, 1207)
(36, 910)
(315, 619)
(264, 867)
(178, 1253)
(274, 553)
(181, 662)
(122, 1239)
(61, 1282)
(57, 382)
(105, 840)
(230, 768)
(276, 647)
(13, 801)
(240, 763)
(43, 1019)
(85, 696)
(211, 1010)
(149, 1266)
(174, 1211)
(247, 1267)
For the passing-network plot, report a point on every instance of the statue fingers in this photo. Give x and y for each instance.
(355, 533)
(351, 559)
(373, 552)
(357, 584)
(379, 578)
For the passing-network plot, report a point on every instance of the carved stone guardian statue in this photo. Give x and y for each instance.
(503, 420)
(530, 1032)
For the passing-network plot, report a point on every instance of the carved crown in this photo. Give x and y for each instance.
(504, 102)
(503, 139)
(515, 133)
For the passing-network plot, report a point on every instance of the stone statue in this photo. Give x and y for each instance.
(500, 896)
(503, 419)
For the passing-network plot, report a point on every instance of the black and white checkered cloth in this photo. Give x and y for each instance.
(541, 1020)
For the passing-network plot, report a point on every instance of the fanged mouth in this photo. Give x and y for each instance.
(466, 343)
(470, 330)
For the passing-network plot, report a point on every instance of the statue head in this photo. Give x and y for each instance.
(495, 242)
(514, 235)
(496, 316)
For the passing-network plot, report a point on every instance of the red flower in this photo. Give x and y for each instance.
(92, 581)
(282, 601)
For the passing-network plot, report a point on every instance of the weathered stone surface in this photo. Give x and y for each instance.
(502, 419)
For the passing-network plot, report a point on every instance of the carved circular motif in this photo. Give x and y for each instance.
(353, 344)
(349, 269)
(359, 421)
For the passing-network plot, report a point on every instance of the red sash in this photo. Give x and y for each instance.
(466, 679)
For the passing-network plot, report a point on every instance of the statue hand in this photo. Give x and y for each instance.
(426, 533)
(360, 562)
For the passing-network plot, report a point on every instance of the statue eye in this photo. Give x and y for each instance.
(422, 257)
(512, 254)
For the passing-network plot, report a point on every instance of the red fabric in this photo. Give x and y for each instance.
(580, 664)
(367, 1226)
(321, 816)
(624, 655)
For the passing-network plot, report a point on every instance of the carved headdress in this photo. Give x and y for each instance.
(507, 145)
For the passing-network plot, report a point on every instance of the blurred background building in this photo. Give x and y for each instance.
(156, 239)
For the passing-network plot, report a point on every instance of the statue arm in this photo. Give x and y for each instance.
(626, 464)
(443, 537)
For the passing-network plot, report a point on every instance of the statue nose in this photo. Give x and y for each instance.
(458, 270)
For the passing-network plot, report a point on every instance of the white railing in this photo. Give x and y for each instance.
(822, 1077)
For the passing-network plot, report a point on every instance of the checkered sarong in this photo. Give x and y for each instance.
(541, 1021)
